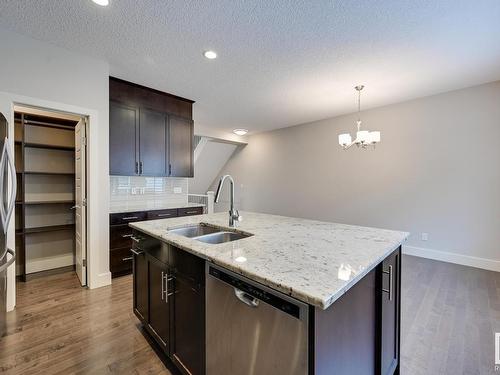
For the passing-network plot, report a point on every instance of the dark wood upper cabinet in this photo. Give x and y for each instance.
(153, 148)
(181, 147)
(150, 132)
(123, 134)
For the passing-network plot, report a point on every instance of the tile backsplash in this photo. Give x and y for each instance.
(131, 189)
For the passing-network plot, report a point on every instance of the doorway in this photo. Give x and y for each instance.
(51, 170)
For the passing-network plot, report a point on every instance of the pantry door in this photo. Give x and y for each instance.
(81, 201)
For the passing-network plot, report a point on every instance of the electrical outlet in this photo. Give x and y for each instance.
(425, 236)
(177, 190)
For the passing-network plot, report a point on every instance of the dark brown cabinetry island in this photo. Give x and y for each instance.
(357, 334)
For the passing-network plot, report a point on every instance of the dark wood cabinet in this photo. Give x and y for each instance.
(390, 314)
(189, 328)
(359, 333)
(169, 299)
(181, 147)
(150, 132)
(141, 284)
(188, 211)
(162, 214)
(123, 135)
(120, 234)
(160, 301)
(153, 149)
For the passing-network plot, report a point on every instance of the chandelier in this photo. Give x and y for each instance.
(363, 138)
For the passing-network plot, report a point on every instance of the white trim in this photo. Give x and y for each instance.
(102, 279)
(444, 256)
(98, 206)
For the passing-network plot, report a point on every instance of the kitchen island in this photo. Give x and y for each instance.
(347, 276)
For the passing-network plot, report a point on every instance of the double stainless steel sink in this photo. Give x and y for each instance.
(208, 234)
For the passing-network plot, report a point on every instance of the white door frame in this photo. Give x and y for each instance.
(98, 228)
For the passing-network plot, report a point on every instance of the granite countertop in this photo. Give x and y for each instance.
(146, 205)
(313, 261)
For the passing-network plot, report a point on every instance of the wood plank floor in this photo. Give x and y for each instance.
(59, 327)
(449, 315)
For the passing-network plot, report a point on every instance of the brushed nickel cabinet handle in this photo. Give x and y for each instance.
(191, 212)
(135, 252)
(129, 217)
(161, 215)
(391, 279)
(127, 235)
(162, 285)
(127, 258)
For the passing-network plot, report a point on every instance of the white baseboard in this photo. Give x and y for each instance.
(444, 256)
(48, 263)
(102, 279)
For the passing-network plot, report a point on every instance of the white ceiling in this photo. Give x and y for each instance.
(280, 63)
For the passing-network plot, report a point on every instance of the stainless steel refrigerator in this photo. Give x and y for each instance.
(7, 203)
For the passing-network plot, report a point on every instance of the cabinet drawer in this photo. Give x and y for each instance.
(126, 217)
(120, 236)
(162, 214)
(120, 261)
(190, 211)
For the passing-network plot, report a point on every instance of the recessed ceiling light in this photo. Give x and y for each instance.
(102, 3)
(210, 55)
(240, 131)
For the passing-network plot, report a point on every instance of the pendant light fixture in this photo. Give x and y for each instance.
(363, 138)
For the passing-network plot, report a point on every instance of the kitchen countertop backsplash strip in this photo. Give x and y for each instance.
(147, 191)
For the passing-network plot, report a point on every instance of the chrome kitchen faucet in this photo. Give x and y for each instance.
(234, 215)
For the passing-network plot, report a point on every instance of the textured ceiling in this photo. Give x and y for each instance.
(280, 63)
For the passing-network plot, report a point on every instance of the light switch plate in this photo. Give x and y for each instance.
(425, 236)
(177, 190)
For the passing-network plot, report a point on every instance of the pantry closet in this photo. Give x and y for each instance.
(46, 206)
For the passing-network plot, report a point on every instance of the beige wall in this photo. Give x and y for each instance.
(40, 74)
(437, 170)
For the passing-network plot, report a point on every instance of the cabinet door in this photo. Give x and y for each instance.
(159, 303)
(123, 129)
(153, 143)
(189, 328)
(140, 270)
(390, 314)
(181, 147)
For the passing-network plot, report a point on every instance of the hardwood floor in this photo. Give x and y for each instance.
(59, 327)
(449, 315)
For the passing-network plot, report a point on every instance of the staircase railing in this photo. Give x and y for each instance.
(207, 200)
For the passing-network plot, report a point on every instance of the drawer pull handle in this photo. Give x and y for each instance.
(191, 212)
(136, 252)
(135, 239)
(127, 258)
(390, 282)
(127, 235)
(129, 217)
(161, 215)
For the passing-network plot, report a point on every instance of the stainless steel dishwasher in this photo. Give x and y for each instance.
(252, 329)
